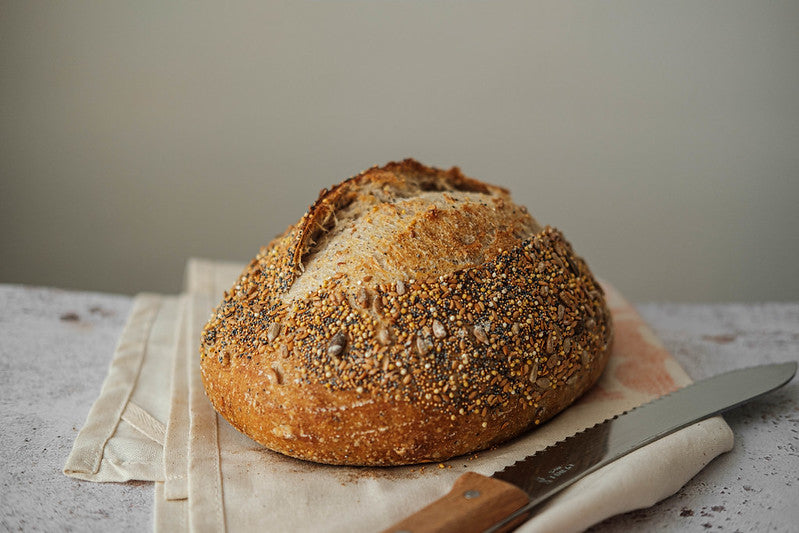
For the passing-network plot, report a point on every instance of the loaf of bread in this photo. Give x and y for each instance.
(411, 315)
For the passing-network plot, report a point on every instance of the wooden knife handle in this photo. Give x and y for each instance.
(475, 503)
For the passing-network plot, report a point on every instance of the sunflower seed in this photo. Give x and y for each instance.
(362, 298)
(273, 331)
(480, 334)
(337, 344)
(439, 330)
(423, 345)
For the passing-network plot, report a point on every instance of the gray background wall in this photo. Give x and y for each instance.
(663, 138)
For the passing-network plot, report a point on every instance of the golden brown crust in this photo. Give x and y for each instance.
(380, 370)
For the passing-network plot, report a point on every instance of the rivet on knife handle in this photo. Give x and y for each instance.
(475, 503)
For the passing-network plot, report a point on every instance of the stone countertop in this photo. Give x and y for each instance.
(55, 348)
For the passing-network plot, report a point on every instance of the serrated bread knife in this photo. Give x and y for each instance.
(507, 498)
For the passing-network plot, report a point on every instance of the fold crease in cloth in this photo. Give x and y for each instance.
(144, 423)
(176, 440)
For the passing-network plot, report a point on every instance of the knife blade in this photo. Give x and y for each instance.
(507, 498)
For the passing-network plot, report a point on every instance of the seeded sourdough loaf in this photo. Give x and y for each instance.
(411, 315)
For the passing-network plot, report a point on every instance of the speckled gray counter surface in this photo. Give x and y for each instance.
(55, 348)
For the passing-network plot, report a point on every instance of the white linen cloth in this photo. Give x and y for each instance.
(123, 437)
(217, 479)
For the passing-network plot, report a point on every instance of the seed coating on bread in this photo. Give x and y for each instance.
(411, 315)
